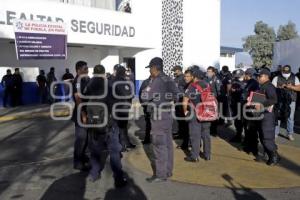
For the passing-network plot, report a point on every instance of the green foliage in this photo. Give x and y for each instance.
(287, 32)
(260, 45)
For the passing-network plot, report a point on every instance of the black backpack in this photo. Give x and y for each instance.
(97, 116)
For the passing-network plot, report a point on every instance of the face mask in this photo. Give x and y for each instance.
(286, 75)
(241, 79)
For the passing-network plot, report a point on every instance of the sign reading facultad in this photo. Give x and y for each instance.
(40, 40)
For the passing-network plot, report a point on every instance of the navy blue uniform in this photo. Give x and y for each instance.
(108, 138)
(160, 93)
(183, 127)
(237, 102)
(147, 114)
(252, 128)
(267, 124)
(7, 83)
(80, 145)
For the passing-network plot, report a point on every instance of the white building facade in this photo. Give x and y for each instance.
(182, 32)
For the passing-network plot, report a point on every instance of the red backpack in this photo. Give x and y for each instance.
(207, 109)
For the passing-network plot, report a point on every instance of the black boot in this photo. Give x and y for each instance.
(273, 158)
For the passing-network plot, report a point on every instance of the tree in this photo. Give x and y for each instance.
(287, 32)
(260, 45)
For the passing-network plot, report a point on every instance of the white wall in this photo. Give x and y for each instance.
(201, 32)
(228, 61)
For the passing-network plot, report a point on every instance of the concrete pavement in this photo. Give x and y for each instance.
(36, 163)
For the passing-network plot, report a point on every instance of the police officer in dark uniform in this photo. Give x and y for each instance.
(237, 101)
(124, 94)
(225, 98)
(250, 142)
(7, 83)
(182, 123)
(215, 84)
(106, 137)
(81, 160)
(17, 88)
(42, 87)
(160, 93)
(198, 130)
(267, 124)
(147, 114)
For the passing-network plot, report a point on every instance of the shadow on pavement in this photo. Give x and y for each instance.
(130, 192)
(241, 192)
(70, 187)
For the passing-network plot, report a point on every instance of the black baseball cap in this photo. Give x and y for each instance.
(265, 71)
(157, 61)
(286, 69)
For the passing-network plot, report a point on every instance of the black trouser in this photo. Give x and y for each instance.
(237, 114)
(108, 141)
(183, 126)
(43, 95)
(251, 136)
(124, 137)
(267, 132)
(80, 145)
(147, 116)
(7, 94)
(16, 97)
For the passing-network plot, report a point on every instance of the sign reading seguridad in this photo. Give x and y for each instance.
(40, 40)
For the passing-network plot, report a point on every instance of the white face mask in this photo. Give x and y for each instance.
(286, 75)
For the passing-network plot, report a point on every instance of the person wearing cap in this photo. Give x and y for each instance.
(250, 142)
(122, 98)
(267, 123)
(160, 94)
(224, 99)
(106, 137)
(182, 124)
(237, 101)
(215, 84)
(281, 81)
(198, 130)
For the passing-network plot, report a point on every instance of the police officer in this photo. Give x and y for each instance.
(225, 99)
(147, 114)
(267, 124)
(286, 77)
(80, 160)
(237, 101)
(123, 94)
(215, 85)
(104, 137)
(197, 130)
(17, 88)
(160, 93)
(50, 79)
(42, 87)
(7, 83)
(250, 142)
(182, 123)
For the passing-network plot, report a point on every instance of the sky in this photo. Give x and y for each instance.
(238, 17)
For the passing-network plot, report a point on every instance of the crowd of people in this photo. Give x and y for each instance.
(255, 101)
(13, 87)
